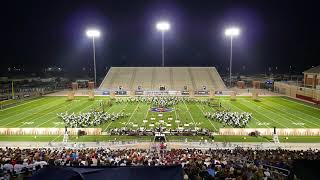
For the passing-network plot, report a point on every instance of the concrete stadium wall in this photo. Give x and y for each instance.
(269, 131)
(309, 94)
(48, 131)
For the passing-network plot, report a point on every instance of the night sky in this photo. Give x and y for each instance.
(39, 34)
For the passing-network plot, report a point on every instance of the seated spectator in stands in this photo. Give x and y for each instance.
(7, 166)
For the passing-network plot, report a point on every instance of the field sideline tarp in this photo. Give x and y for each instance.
(112, 173)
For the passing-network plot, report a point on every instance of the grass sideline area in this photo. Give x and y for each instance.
(14, 102)
(43, 138)
(8, 102)
(269, 112)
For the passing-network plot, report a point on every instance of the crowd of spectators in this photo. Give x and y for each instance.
(197, 164)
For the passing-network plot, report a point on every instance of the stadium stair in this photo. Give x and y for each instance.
(153, 78)
(113, 77)
(171, 79)
(134, 73)
(212, 80)
(218, 79)
(192, 79)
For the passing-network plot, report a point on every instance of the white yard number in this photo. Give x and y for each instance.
(263, 124)
(29, 122)
(298, 124)
(58, 123)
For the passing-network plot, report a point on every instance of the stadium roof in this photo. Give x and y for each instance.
(313, 70)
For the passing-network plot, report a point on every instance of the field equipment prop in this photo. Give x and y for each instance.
(132, 94)
(91, 95)
(233, 96)
(112, 94)
(104, 105)
(71, 95)
(191, 93)
(212, 94)
(255, 95)
(213, 102)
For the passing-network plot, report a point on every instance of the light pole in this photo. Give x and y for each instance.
(163, 26)
(92, 33)
(232, 32)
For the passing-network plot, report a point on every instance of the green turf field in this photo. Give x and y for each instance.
(270, 112)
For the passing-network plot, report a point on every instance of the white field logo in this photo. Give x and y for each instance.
(298, 124)
(263, 124)
(28, 122)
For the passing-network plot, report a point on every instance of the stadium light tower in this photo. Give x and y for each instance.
(163, 26)
(231, 32)
(93, 33)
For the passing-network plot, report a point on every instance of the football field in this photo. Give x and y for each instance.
(269, 112)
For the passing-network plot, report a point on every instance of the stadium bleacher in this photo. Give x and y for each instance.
(91, 163)
(173, 78)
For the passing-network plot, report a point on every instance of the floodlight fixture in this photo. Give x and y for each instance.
(233, 31)
(163, 26)
(93, 33)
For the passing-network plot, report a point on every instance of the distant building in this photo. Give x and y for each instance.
(312, 77)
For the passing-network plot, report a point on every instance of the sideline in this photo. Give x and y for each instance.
(170, 145)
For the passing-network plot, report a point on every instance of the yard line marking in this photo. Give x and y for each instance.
(16, 112)
(189, 112)
(252, 116)
(72, 108)
(300, 103)
(53, 140)
(107, 126)
(146, 114)
(42, 116)
(23, 104)
(112, 121)
(272, 111)
(132, 114)
(29, 115)
(33, 109)
(207, 118)
(300, 111)
(148, 110)
(75, 107)
(175, 111)
(295, 115)
(81, 110)
(66, 106)
(264, 116)
(243, 111)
